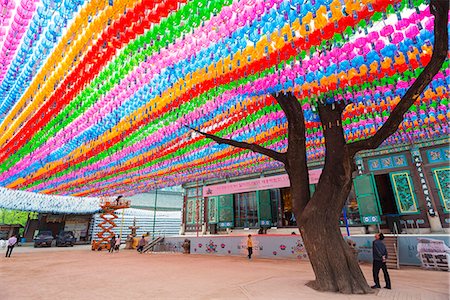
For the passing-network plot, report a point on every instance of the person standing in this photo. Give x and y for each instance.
(112, 243)
(379, 261)
(142, 243)
(12, 241)
(117, 244)
(250, 246)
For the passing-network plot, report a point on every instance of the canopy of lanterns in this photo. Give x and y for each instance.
(96, 96)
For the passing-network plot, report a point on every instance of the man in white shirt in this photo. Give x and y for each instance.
(12, 241)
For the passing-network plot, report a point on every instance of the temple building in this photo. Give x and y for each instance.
(401, 189)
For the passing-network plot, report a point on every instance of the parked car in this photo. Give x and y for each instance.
(65, 238)
(44, 238)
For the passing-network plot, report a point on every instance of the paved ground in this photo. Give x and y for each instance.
(78, 273)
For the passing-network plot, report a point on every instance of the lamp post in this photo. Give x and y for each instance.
(154, 214)
(121, 224)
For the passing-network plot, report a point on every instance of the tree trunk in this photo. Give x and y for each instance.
(335, 266)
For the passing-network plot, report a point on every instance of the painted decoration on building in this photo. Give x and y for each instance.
(359, 164)
(190, 212)
(264, 183)
(439, 155)
(211, 247)
(442, 180)
(374, 164)
(199, 210)
(417, 159)
(388, 162)
(212, 210)
(194, 213)
(404, 192)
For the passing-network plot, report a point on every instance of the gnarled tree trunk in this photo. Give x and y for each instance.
(334, 264)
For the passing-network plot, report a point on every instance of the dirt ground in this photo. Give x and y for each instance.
(78, 273)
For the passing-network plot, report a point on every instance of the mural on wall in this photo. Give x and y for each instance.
(242, 246)
(169, 246)
(433, 254)
(211, 247)
(291, 246)
(408, 248)
(299, 250)
(283, 246)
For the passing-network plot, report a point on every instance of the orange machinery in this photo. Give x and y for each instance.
(108, 215)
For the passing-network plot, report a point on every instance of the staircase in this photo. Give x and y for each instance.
(391, 243)
(30, 228)
(152, 244)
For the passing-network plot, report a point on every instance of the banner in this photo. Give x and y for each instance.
(263, 183)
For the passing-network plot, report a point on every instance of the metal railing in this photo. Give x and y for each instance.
(396, 248)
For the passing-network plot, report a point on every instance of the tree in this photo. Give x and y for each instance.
(13, 217)
(334, 265)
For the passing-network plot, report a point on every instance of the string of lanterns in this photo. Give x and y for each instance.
(111, 116)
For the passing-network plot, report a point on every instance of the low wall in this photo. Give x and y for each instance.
(266, 246)
(289, 246)
(407, 246)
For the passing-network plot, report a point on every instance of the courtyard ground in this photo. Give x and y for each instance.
(78, 273)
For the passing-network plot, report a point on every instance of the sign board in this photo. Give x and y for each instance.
(371, 219)
(258, 184)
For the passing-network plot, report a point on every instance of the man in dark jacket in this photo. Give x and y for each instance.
(112, 243)
(379, 261)
(141, 244)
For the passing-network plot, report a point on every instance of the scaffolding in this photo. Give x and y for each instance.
(107, 225)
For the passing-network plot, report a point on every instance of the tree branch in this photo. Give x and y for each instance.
(291, 107)
(278, 156)
(296, 165)
(335, 146)
(331, 114)
(439, 8)
(296, 125)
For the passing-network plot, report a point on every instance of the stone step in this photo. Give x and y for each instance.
(392, 257)
(391, 266)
